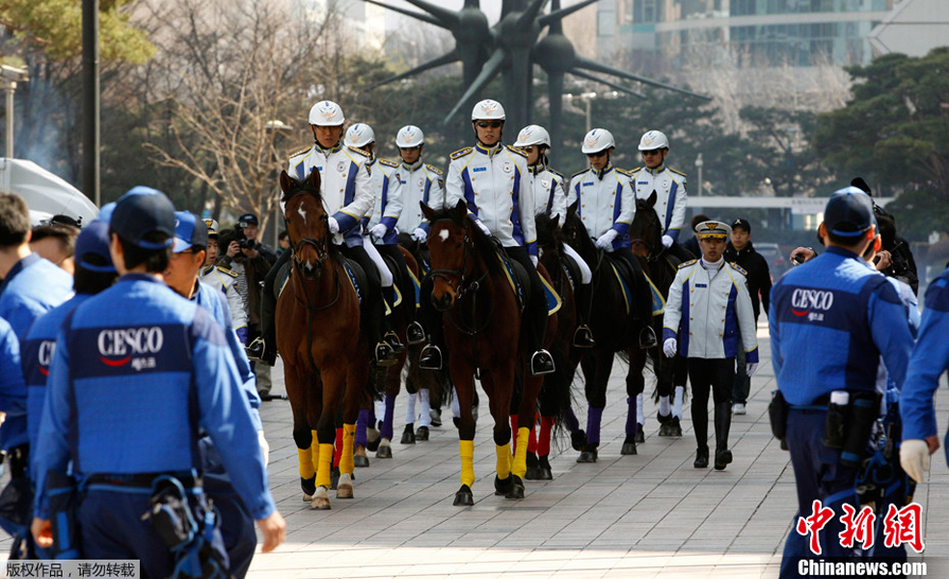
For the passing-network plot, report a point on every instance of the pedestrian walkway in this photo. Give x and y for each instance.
(643, 516)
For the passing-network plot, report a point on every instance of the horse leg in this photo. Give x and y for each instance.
(499, 402)
(385, 433)
(357, 380)
(302, 435)
(333, 384)
(597, 370)
(635, 384)
(360, 459)
(463, 376)
(527, 412)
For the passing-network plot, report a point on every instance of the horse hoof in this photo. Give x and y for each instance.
(361, 461)
(517, 488)
(408, 435)
(309, 487)
(628, 448)
(675, 428)
(344, 489)
(533, 473)
(320, 501)
(373, 438)
(640, 435)
(421, 433)
(385, 451)
(587, 456)
(503, 486)
(436, 415)
(543, 469)
(578, 440)
(464, 498)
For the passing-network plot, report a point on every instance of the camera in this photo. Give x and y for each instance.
(247, 243)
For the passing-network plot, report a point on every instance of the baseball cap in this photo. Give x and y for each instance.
(189, 231)
(743, 223)
(712, 230)
(211, 224)
(248, 218)
(140, 212)
(849, 212)
(94, 240)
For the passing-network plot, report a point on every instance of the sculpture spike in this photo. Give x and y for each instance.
(448, 17)
(442, 60)
(613, 85)
(490, 70)
(417, 15)
(528, 16)
(556, 15)
(588, 64)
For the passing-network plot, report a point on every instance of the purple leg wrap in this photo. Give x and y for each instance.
(593, 425)
(387, 420)
(361, 423)
(631, 416)
(572, 423)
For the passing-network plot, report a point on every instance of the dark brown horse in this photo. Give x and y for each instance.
(326, 358)
(482, 328)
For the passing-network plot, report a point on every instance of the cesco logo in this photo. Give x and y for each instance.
(45, 355)
(805, 300)
(126, 342)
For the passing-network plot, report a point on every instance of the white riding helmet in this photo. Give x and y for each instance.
(532, 135)
(409, 136)
(360, 135)
(653, 140)
(597, 140)
(326, 114)
(487, 110)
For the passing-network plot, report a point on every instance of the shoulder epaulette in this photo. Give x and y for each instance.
(461, 153)
(557, 173)
(388, 163)
(677, 172)
(626, 172)
(300, 152)
(360, 151)
(514, 149)
(578, 173)
(226, 271)
(636, 170)
(688, 263)
(434, 169)
(738, 268)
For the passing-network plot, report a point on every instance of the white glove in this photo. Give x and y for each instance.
(534, 260)
(333, 225)
(483, 227)
(669, 347)
(751, 368)
(264, 446)
(606, 239)
(914, 458)
(419, 235)
(667, 241)
(378, 230)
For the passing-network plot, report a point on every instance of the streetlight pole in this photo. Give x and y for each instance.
(90, 100)
(11, 75)
(698, 165)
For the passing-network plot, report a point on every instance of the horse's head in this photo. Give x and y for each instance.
(549, 236)
(645, 232)
(575, 232)
(453, 243)
(307, 222)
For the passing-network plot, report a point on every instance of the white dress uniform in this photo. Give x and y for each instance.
(671, 194)
(227, 281)
(606, 202)
(550, 192)
(386, 185)
(346, 189)
(713, 305)
(420, 182)
(498, 187)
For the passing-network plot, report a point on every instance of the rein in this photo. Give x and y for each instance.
(464, 287)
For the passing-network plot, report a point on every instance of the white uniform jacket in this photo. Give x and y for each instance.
(550, 192)
(606, 202)
(707, 309)
(420, 183)
(387, 207)
(671, 195)
(499, 190)
(221, 278)
(347, 194)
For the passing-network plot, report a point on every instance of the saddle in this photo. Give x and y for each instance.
(624, 275)
(404, 283)
(354, 273)
(517, 278)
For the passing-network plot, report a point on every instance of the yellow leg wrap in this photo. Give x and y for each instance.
(466, 450)
(306, 462)
(504, 460)
(323, 469)
(520, 457)
(349, 439)
(315, 453)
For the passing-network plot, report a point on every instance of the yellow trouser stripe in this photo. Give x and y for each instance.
(466, 450)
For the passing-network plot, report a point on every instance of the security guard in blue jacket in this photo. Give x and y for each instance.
(137, 370)
(831, 319)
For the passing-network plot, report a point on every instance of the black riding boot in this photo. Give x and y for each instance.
(430, 358)
(583, 337)
(723, 421)
(264, 348)
(390, 336)
(700, 426)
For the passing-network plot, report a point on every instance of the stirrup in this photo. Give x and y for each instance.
(430, 358)
(583, 337)
(392, 339)
(414, 333)
(384, 354)
(542, 363)
(647, 338)
(255, 350)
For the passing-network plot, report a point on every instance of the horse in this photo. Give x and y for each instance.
(660, 264)
(326, 357)
(612, 327)
(482, 321)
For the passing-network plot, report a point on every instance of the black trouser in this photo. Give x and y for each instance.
(373, 309)
(642, 294)
(717, 375)
(400, 277)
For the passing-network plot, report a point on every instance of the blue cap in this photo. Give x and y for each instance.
(189, 231)
(94, 240)
(849, 212)
(247, 218)
(142, 211)
(105, 213)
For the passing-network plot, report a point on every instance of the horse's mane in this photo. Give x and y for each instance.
(583, 239)
(484, 245)
(548, 234)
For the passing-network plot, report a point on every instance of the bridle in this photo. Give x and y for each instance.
(462, 287)
(322, 254)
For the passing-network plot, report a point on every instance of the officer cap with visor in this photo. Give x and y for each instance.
(712, 230)
(212, 226)
(189, 231)
(143, 211)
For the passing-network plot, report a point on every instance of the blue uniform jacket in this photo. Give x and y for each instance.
(831, 319)
(929, 360)
(137, 371)
(12, 389)
(33, 287)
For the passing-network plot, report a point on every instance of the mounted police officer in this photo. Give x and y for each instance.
(606, 206)
(221, 278)
(550, 198)
(495, 183)
(125, 401)
(348, 197)
(707, 310)
(668, 184)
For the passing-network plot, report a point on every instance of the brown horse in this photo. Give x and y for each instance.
(326, 358)
(482, 322)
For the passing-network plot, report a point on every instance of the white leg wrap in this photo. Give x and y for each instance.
(640, 413)
(425, 412)
(410, 409)
(586, 276)
(664, 405)
(677, 401)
